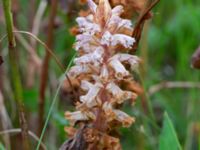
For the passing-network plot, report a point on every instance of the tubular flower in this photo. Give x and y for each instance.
(101, 65)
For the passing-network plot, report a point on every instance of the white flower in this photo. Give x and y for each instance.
(86, 42)
(90, 99)
(117, 10)
(76, 116)
(119, 23)
(122, 39)
(113, 40)
(106, 38)
(114, 89)
(120, 70)
(87, 26)
(90, 17)
(83, 41)
(119, 95)
(132, 60)
(85, 85)
(92, 6)
(116, 20)
(77, 70)
(115, 114)
(125, 23)
(122, 117)
(94, 57)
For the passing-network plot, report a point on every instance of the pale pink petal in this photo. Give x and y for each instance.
(120, 70)
(90, 98)
(75, 116)
(77, 70)
(122, 39)
(85, 85)
(86, 42)
(87, 26)
(131, 59)
(92, 6)
(122, 117)
(119, 23)
(114, 89)
(113, 40)
(94, 57)
(119, 95)
(106, 38)
(117, 10)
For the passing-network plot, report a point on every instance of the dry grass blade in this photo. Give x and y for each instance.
(168, 85)
(18, 130)
(37, 20)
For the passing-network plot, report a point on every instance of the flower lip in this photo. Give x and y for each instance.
(90, 99)
(132, 60)
(120, 70)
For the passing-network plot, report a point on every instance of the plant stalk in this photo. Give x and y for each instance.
(45, 65)
(15, 74)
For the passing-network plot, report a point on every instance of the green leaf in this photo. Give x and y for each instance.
(168, 137)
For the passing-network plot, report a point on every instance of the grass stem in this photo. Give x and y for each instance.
(14, 71)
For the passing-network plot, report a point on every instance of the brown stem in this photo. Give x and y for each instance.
(140, 24)
(100, 123)
(45, 65)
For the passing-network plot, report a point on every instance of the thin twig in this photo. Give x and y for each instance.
(172, 84)
(18, 130)
(15, 75)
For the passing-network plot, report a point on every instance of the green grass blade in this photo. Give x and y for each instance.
(168, 138)
(52, 106)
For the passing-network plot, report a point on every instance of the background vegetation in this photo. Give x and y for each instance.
(167, 119)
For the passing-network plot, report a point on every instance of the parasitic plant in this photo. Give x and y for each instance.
(103, 69)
